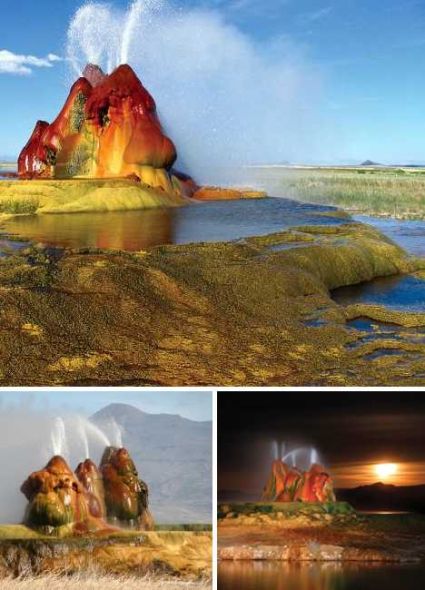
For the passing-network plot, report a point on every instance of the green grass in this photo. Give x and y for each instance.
(291, 509)
(21, 207)
(396, 192)
(20, 532)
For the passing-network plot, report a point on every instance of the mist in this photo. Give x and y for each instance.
(29, 438)
(225, 99)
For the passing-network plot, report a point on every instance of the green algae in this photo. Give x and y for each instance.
(200, 314)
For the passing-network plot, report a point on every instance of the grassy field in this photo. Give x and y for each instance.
(20, 532)
(395, 192)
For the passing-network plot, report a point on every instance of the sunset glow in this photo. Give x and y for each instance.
(386, 470)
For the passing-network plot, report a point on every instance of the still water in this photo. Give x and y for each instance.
(201, 222)
(258, 575)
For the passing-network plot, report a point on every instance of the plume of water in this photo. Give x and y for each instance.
(133, 17)
(302, 457)
(83, 436)
(224, 98)
(58, 437)
(275, 450)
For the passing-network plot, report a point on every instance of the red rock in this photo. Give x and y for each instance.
(107, 128)
(29, 163)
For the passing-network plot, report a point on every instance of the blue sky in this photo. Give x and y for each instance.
(194, 405)
(369, 55)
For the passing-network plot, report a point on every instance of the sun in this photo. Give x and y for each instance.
(385, 470)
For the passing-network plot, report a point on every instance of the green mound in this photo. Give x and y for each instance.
(76, 196)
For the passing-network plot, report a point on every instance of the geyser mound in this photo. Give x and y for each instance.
(289, 484)
(63, 502)
(108, 128)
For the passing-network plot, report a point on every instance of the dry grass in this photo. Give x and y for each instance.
(93, 581)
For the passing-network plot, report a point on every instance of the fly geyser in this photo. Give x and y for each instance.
(289, 484)
(89, 500)
(108, 128)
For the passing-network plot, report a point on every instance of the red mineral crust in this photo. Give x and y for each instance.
(288, 484)
(107, 128)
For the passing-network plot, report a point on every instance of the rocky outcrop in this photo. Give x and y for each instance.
(126, 496)
(288, 484)
(108, 128)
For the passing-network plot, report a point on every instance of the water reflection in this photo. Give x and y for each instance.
(138, 230)
(129, 231)
(314, 576)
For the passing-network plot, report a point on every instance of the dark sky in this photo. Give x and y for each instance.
(352, 432)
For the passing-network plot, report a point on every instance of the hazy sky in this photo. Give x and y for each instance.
(351, 432)
(357, 65)
(195, 405)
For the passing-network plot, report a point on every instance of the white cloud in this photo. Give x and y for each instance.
(23, 65)
(317, 14)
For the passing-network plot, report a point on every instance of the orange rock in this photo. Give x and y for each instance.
(214, 193)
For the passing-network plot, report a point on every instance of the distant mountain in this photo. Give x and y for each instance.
(174, 457)
(369, 163)
(380, 496)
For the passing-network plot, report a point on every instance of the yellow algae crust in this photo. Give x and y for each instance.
(79, 195)
(251, 312)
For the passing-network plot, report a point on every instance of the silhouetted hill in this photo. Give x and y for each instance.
(380, 496)
(173, 455)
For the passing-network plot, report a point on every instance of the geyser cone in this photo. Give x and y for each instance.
(57, 499)
(126, 496)
(91, 479)
(289, 484)
(107, 128)
(316, 486)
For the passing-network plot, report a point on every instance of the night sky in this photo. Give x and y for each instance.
(351, 431)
